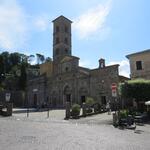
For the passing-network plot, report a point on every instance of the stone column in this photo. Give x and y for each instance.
(9, 109)
(84, 109)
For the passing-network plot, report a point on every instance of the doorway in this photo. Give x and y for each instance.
(68, 97)
(103, 98)
(35, 100)
(83, 99)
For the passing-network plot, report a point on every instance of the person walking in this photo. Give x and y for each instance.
(108, 108)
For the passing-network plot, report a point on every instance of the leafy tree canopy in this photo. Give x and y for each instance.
(136, 89)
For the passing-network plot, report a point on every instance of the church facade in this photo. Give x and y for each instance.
(63, 80)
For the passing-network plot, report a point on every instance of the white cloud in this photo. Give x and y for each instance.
(12, 25)
(92, 21)
(124, 68)
(87, 64)
(84, 63)
(41, 23)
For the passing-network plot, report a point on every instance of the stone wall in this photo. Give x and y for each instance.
(18, 98)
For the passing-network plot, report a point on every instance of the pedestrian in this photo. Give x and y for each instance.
(108, 108)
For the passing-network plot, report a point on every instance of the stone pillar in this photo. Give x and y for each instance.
(115, 119)
(67, 110)
(9, 109)
(84, 109)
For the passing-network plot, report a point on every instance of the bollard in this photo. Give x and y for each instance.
(9, 109)
(115, 119)
(84, 109)
(48, 112)
(67, 110)
(27, 111)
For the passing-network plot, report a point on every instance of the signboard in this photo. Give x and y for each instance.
(35, 90)
(7, 97)
(114, 89)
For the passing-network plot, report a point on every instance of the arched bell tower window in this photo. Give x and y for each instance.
(66, 40)
(57, 40)
(66, 50)
(57, 28)
(102, 65)
(66, 29)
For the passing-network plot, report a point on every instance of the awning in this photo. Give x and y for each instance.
(147, 103)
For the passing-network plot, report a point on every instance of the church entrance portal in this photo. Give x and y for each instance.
(67, 94)
(83, 99)
(83, 94)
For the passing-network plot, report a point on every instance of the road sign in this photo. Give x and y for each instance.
(7, 97)
(114, 89)
(114, 86)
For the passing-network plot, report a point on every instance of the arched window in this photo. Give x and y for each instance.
(66, 40)
(57, 28)
(66, 69)
(57, 40)
(66, 50)
(102, 65)
(66, 29)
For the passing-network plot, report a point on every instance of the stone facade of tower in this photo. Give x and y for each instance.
(68, 81)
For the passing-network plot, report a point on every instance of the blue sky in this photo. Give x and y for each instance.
(108, 29)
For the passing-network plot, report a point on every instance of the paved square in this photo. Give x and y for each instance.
(91, 133)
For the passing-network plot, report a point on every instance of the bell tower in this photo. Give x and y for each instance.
(61, 37)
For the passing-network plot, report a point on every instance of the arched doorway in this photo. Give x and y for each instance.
(83, 94)
(35, 100)
(54, 99)
(67, 94)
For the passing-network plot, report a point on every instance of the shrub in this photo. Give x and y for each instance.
(75, 110)
(124, 113)
(90, 101)
(136, 89)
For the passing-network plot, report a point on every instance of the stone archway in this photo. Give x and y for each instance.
(67, 94)
(54, 99)
(35, 102)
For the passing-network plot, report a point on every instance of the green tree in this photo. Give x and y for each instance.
(48, 59)
(23, 76)
(15, 59)
(40, 58)
(136, 89)
(31, 59)
(6, 62)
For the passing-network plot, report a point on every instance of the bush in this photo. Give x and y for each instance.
(136, 89)
(89, 101)
(75, 110)
(124, 113)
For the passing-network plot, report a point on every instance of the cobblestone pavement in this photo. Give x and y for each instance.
(91, 133)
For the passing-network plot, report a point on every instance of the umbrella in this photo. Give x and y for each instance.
(147, 103)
